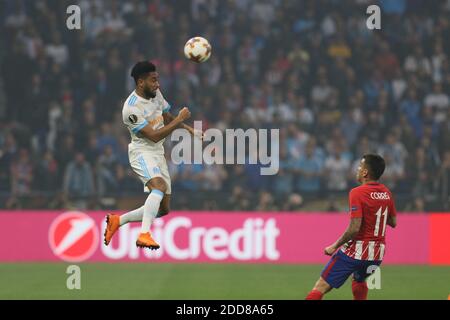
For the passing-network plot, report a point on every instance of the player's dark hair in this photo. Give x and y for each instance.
(375, 164)
(142, 69)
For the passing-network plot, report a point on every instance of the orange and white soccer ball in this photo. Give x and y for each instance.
(197, 49)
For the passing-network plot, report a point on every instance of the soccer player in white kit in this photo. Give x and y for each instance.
(147, 117)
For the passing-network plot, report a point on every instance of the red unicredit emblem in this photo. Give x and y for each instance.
(73, 236)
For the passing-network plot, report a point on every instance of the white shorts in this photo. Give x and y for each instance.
(147, 166)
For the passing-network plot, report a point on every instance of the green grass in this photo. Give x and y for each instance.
(207, 281)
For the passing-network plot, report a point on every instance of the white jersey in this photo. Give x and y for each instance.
(137, 113)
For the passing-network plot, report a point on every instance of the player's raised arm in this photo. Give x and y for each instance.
(159, 134)
(168, 118)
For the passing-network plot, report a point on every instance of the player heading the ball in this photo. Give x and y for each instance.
(147, 116)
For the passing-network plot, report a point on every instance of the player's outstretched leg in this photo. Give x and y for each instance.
(360, 290)
(314, 294)
(114, 222)
(145, 240)
(164, 207)
(112, 225)
(151, 208)
(320, 288)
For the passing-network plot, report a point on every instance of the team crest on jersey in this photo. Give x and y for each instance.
(133, 118)
(354, 208)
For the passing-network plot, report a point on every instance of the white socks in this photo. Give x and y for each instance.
(132, 216)
(151, 207)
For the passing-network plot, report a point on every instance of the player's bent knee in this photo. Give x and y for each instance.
(158, 184)
(322, 286)
(163, 212)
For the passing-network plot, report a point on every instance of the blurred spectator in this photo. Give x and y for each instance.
(295, 141)
(393, 149)
(304, 115)
(418, 62)
(334, 206)
(309, 170)
(22, 174)
(414, 165)
(351, 124)
(266, 202)
(336, 170)
(386, 61)
(57, 50)
(321, 92)
(417, 205)
(7, 154)
(424, 188)
(431, 152)
(106, 138)
(439, 101)
(47, 174)
(127, 182)
(16, 69)
(190, 176)
(239, 199)
(393, 173)
(92, 150)
(284, 181)
(79, 180)
(411, 107)
(293, 203)
(105, 170)
(65, 152)
(374, 86)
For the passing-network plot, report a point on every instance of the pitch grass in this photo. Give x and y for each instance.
(207, 281)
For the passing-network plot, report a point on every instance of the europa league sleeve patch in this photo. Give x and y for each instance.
(133, 118)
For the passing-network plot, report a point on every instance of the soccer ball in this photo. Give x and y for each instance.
(197, 49)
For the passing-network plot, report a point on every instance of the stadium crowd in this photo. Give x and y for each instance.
(334, 88)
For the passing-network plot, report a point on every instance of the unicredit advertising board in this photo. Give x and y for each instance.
(231, 237)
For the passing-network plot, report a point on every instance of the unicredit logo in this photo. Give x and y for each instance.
(180, 239)
(73, 236)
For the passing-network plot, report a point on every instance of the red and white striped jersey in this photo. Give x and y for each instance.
(374, 203)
